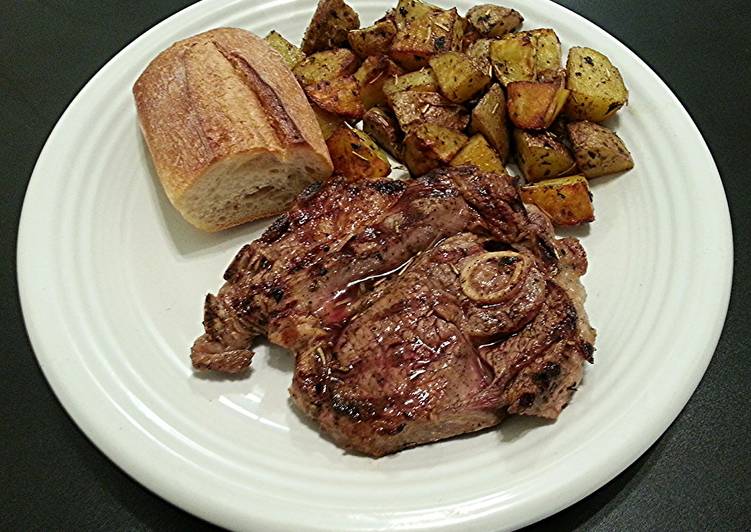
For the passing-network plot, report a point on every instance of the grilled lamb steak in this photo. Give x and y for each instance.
(451, 345)
(417, 311)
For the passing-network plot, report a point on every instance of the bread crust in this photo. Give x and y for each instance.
(217, 95)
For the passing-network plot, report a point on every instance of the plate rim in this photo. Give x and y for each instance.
(88, 424)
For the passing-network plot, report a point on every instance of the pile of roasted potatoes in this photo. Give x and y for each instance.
(433, 88)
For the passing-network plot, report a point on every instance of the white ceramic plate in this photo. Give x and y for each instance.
(112, 283)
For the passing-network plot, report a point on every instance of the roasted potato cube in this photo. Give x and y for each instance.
(383, 128)
(327, 65)
(429, 35)
(373, 40)
(429, 146)
(513, 58)
(413, 108)
(477, 152)
(459, 77)
(331, 22)
(547, 51)
(407, 11)
(291, 54)
(489, 118)
(494, 21)
(355, 155)
(566, 200)
(480, 52)
(597, 89)
(541, 155)
(598, 150)
(371, 75)
(328, 122)
(418, 81)
(340, 96)
(534, 105)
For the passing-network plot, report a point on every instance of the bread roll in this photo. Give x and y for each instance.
(231, 134)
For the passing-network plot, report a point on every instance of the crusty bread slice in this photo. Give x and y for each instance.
(229, 129)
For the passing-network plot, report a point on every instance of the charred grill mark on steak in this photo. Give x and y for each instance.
(388, 187)
(278, 228)
(309, 192)
(417, 311)
(239, 264)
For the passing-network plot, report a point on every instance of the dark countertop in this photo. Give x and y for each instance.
(695, 477)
